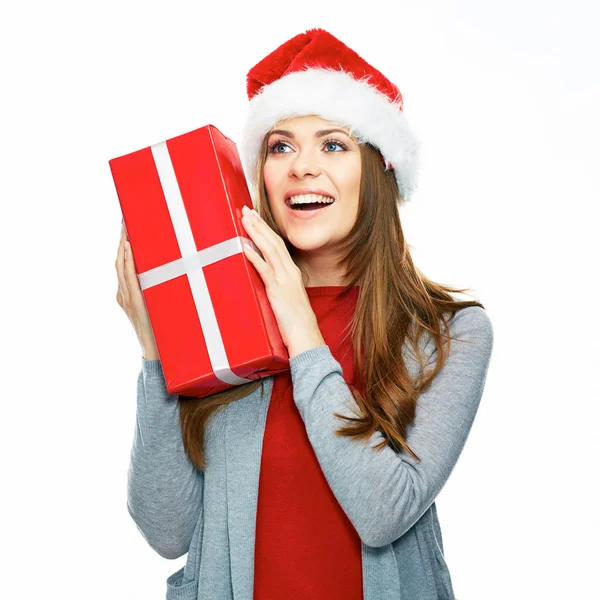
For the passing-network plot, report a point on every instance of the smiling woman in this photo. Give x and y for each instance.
(351, 447)
(306, 164)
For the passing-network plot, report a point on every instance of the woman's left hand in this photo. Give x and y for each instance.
(283, 283)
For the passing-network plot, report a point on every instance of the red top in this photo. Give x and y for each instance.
(306, 547)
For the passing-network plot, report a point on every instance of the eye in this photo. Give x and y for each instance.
(329, 143)
(274, 147)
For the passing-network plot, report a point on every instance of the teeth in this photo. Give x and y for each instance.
(307, 198)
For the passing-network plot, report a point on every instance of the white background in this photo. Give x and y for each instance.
(504, 97)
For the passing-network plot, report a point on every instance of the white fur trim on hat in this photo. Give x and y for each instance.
(337, 97)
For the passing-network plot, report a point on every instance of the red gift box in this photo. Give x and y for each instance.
(182, 207)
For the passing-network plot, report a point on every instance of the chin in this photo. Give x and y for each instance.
(307, 243)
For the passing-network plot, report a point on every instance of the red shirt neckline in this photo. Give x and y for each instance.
(327, 290)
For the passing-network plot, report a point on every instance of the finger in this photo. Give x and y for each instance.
(264, 270)
(133, 284)
(120, 266)
(253, 245)
(266, 239)
(278, 241)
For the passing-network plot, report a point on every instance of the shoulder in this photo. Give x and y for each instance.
(472, 321)
(470, 330)
(472, 337)
(471, 333)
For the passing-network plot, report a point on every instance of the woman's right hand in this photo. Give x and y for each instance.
(131, 299)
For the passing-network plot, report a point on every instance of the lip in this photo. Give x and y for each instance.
(300, 191)
(306, 214)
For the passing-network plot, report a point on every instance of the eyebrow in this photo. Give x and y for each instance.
(320, 133)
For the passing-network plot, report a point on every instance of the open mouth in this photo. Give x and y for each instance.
(308, 205)
(316, 203)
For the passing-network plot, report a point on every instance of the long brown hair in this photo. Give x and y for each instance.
(396, 304)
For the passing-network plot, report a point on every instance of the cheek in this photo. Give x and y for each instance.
(270, 175)
(270, 182)
(351, 184)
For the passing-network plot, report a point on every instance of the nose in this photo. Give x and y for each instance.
(305, 163)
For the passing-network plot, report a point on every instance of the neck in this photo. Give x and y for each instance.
(321, 270)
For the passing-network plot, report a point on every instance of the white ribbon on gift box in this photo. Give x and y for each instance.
(191, 264)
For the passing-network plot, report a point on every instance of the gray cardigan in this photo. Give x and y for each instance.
(388, 497)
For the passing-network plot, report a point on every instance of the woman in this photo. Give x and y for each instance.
(350, 448)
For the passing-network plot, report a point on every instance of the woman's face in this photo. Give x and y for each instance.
(310, 155)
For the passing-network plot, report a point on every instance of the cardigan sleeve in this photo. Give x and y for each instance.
(383, 493)
(164, 488)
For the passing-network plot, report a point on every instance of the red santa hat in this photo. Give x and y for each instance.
(315, 73)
